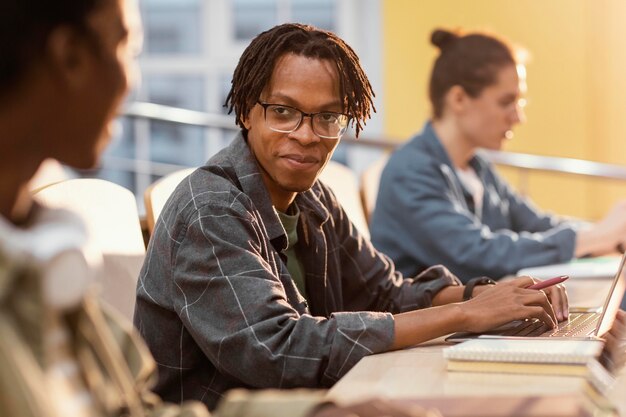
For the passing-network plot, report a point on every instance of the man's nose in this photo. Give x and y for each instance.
(304, 133)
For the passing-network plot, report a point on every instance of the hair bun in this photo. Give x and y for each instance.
(442, 38)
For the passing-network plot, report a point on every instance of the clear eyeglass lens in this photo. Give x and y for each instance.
(330, 125)
(282, 119)
(285, 119)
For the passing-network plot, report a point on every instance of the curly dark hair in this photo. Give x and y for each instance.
(26, 24)
(256, 65)
(471, 61)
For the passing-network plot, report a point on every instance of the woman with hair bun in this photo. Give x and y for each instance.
(441, 202)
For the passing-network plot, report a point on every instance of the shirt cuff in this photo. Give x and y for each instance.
(433, 280)
(566, 243)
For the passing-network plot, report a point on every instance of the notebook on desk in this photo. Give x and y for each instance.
(581, 323)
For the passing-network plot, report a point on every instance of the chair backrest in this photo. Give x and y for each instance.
(158, 192)
(110, 214)
(344, 183)
(50, 171)
(370, 180)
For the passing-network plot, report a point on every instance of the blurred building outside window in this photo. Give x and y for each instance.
(191, 48)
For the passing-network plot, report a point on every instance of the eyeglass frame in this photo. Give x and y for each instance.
(302, 116)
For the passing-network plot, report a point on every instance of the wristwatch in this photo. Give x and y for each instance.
(469, 287)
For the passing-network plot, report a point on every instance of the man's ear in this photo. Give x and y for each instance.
(68, 55)
(245, 120)
(457, 99)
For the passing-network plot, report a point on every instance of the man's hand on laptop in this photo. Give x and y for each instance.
(557, 294)
(495, 305)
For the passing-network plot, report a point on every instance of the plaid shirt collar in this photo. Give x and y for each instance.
(248, 172)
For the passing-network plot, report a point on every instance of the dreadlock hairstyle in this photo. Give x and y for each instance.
(256, 65)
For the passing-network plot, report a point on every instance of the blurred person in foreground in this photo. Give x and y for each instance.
(65, 67)
(256, 278)
(441, 202)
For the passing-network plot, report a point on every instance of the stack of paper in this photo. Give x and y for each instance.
(526, 356)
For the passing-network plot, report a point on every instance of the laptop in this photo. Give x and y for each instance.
(582, 323)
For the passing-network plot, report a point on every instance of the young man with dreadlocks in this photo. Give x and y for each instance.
(255, 276)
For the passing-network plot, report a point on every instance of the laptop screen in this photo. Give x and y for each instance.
(613, 300)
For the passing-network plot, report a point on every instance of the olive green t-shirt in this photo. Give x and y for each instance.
(294, 266)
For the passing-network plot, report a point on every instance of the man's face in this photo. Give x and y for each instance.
(291, 162)
(110, 72)
(489, 118)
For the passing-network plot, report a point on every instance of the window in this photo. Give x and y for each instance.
(320, 13)
(251, 17)
(191, 49)
(172, 27)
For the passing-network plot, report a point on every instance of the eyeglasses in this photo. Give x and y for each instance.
(286, 119)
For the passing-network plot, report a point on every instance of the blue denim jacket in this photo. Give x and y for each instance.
(425, 216)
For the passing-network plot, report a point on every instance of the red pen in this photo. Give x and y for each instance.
(548, 283)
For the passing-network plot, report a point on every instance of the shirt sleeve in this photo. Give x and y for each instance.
(526, 216)
(369, 278)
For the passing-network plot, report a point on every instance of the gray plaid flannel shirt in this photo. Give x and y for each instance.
(219, 310)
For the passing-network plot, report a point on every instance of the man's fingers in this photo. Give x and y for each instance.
(541, 314)
(544, 310)
(559, 301)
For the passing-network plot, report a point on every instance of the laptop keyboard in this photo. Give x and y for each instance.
(578, 324)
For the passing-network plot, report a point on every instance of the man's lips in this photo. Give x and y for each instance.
(301, 159)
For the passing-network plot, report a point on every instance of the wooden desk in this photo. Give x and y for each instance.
(420, 372)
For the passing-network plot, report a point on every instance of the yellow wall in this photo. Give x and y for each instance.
(576, 82)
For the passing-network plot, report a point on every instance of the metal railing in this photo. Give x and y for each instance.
(162, 113)
(523, 162)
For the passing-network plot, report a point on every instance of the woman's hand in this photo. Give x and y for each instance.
(605, 236)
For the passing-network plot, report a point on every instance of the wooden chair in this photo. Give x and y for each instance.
(158, 192)
(370, 180)
(344, 183)
(110, 214)
(338, 177)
